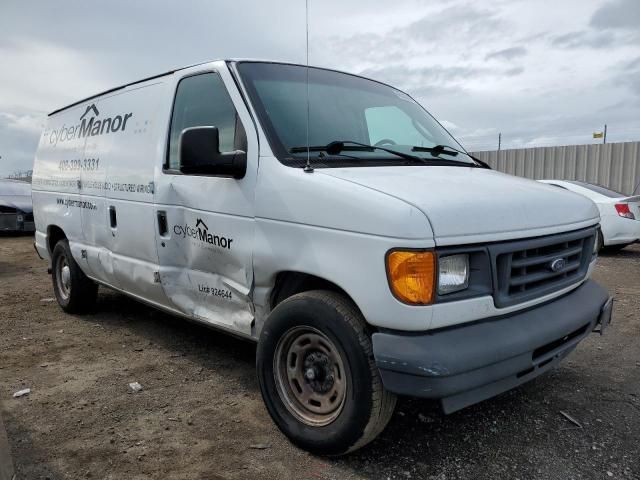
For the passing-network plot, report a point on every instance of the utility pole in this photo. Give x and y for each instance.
(499, 140)
(604, 137)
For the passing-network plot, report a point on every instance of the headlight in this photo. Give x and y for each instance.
(411, 275)
(453, 273)
(20, 218)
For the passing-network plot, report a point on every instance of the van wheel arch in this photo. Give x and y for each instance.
(289, 283)
(54, 235)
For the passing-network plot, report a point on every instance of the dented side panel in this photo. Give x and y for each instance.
(203, 278)
(120, 233)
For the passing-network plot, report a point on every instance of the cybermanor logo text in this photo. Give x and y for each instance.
(89, 127)
(201, 232)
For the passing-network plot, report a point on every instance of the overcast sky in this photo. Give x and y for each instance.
(540, 72)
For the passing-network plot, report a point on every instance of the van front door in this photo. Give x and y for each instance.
(205, 224)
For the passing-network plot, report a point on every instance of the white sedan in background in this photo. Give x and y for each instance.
(619, 214)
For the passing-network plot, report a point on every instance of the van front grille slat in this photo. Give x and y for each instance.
(532, 268)
(518, 280)
(527, 261)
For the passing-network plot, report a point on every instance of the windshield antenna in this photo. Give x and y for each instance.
(307, 168)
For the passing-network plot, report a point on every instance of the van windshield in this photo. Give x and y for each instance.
(342, 108)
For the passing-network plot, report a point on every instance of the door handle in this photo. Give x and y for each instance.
(163, 228)
(113, 220)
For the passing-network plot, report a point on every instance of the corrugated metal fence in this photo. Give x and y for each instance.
(613, 165)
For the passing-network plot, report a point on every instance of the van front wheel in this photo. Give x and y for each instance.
(75, 292)
(317, 374)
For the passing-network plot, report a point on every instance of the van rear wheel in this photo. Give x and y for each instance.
(75, 292)
(317, 375)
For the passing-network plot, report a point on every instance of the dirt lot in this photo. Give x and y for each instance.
(200, 415)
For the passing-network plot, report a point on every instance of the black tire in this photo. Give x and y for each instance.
(600, 240)
(75, 292)
(365, 408)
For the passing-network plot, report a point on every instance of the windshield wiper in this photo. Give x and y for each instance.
(335, 147)
(448, 150)
(437, 150)
(338, 146)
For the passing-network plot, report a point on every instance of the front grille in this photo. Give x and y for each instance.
(28, 217)
(524, 269)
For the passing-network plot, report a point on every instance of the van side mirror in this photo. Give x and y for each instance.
(200, 154)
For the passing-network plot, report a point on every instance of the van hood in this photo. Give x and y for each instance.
(469, 205)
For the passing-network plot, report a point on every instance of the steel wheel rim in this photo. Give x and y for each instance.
(63, 277)
(310, 376)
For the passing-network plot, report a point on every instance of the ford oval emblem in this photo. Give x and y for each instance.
(557, 265)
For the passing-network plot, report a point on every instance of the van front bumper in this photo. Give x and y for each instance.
(469, 363)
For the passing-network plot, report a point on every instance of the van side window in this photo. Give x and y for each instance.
(202, 100)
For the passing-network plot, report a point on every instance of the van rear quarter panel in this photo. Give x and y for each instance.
(56, 178)
(100, 153)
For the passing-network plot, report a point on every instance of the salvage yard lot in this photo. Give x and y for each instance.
(200, 414)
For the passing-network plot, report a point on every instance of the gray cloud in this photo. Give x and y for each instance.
(464, 19)
(512, 72)
(633, 65)
(132, 40)
(626, 75)
(584, 39)
(435, 74)
(18, 134)
(422, 35)
(507, 53)
(422, 81)
(614, 23)
(624, 14)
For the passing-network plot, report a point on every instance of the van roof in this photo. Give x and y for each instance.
(157, 76)
(125, 86)
(195, 65)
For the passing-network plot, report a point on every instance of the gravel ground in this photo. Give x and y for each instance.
(200, 414)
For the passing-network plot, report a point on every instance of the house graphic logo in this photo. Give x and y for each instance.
(200, 223)
(91, 108)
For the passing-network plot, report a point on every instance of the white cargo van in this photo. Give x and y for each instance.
(363, 249)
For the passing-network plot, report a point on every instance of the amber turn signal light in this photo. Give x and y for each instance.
(412, 275)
